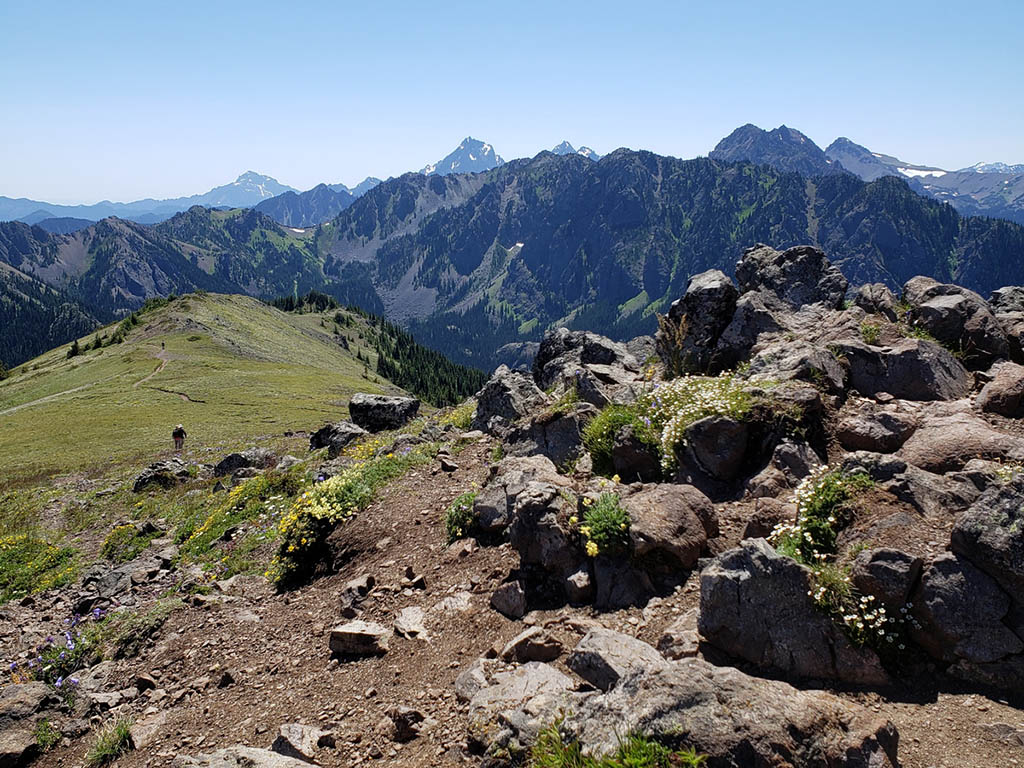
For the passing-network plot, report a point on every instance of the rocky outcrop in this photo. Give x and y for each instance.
(755, 605)
(163, 474)
(257, 458)
(912, 369)
(494, 504)
(375, 413)
(876, 299)
(798, 276)
(695, 322)
(991, 535)
(947, 441)
(507, 397)
(868, 426)
(557, 435)
(603, 657)
(888, 574)
(564, 356)
(334, 437)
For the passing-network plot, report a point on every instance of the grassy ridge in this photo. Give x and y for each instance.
(231, 369)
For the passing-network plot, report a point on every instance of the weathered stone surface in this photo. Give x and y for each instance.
(532, 644)
(378, 412)
(563, 352)
(680, 640)
(960, 611)
(753, 317)
(791, 462)
(359, 638)
(476, 676)
(619, 584)
(409, 723)
(947, 442)
(991, 535)
(768, 513)
(737, 719)
(717, 444)
(755, 605)
(494, 504)
(409, 623)
(518, 702)
(798, 361)
(239, 757)
(888, 574)
(510, 600)
(1012, 324)
(335, 437)
(506, 397)
(667, 524)
(556, 435)
(912, 369)
(866, 426)
(18, 746)
(539, 531)
(301, 741)
(633, 459)
(1009, 298)
(1004, 394)
(930, 494)
(259, 458)
(958, 318)
(798, 276)
(603, 657)
(18, 702)
(165, 474)
(696, 321)
(876, 299)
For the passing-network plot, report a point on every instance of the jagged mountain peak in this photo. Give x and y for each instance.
(471, 156)
(784, 148)
(565, 148)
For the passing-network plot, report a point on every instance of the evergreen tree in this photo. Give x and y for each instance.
(74, 351)
(4, 373)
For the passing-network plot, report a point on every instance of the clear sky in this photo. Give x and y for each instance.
(124, 100)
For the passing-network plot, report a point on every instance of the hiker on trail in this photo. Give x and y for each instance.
(179, 435)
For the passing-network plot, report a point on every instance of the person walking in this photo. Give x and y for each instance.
(179, 436)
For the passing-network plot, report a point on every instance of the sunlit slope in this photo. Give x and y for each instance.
(229, 368)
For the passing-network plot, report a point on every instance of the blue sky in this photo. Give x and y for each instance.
(122, 100)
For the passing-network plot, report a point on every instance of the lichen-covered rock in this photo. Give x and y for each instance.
(603, 656)
(696, 321)
(506, 397)
(798, 276)
(563, 352)
(991, 535)
(755, 605)
(912, 369)
(379, 412)
(239, 757)
(798, 361)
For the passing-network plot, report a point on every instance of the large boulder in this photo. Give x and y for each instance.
(359, 638)
(887, 574)
(931, 494)
(603, 657)
(564, 353)
(1004, 394)
(735, 719)
(555, 434)
(163, 474)
(960, 611)
(991, 535)
(958, 318)
(686, 340)
(375, 413)
(507, 397)
(755, 605)
(755, 314)
(670, 525)
(912, 369)
(539, 531)
(334, 437)
(867, 426)
(947, 441)
(717, 445)
(633, 458)
(876, 299)
(258, 458)
(798, 276)
(797, 361)
(494, 504)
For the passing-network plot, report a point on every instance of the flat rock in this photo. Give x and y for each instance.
(532, 644)
(378, 412)
(603, 657)
(359, 638)
(946, 442)
(240, 757)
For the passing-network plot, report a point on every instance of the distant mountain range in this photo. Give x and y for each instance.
(472, 262)
(471, 156)
(983, 189)
(565, 148)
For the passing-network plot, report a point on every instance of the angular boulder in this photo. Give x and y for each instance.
(695, 322)
(946, 442)
(239, 757)
(669, 524)
(557, 435)
(258, 458)
(1004, 394)
(887, 574)
(991, 535)
(755, 605)
(495, 502)
(164, 474)
(506, 397)
(876, 299)
(912, 369)
(360, 638)
(603, 657)
(334, 437)
(866, 426)
(375, 413)
(798, 276)
(563, 353)
(717, 445)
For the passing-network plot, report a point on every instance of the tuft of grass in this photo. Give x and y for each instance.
(635, 751)
(599, 434)
(125, 542)
(112, 741)
(459, 519)
(870, 333)
(47, 737)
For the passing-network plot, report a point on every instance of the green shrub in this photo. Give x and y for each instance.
(635, 751)
(870, 332)
(599, 434)
(112, 741)
(125, 542)
(605, 525)
(47, 736)
(459, 520)
(30, 563)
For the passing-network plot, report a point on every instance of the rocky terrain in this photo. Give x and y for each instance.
(787, 530)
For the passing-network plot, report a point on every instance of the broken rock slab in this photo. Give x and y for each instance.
(359, 638)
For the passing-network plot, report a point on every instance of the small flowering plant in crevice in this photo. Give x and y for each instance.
(602, 523)
(459, 520)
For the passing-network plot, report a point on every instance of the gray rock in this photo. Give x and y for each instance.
(409, 623)
(603, 657)
(791, 462)
(798, 361)
(563, 352)
(519, 703)
(510, 600)
(930, 494)
(768, 512)
(1009, 298)
(991, 535)
(507, 397)
(687, 338)
(379, 412)
(258, 458)
(737, 719)
(888, 574)
(1012, 324)
(539, 531)
(876, 299)
(680, 640)
(961, 612)
(475, 677)
(878, 428)
(912, 369)
(353, 593)
(633, 459)
(619, 584)
(335, 437)
(717, 444)
(408, 722)
(18, 746)
(532, 644)
(946, 442)
(239, 757)
(642, 348)
(755, 605)
(755, 314)
(958, 318)
(1004, 394)
(493, 505)
(798, 276)
(20, 702)
(359, 638)
(579, 587)
(556, 435)
(165, 474)
(301, 741)
(667, 524)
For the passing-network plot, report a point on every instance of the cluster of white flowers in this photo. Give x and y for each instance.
(797, 532)
(1006, 472)
(673, 406)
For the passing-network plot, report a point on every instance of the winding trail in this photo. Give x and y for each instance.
(162, 356)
